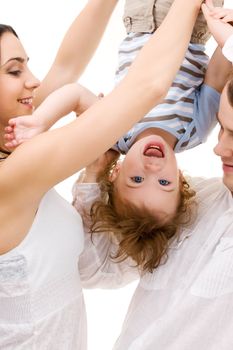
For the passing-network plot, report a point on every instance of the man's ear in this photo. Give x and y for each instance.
(115, 172)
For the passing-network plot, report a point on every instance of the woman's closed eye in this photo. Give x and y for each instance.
(164, 182)
(16, 73)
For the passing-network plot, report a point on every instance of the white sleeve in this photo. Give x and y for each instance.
(227, 49)
(96, 267)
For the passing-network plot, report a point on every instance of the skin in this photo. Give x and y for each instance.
(224, 148)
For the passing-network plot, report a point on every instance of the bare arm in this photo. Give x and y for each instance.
(77, 47)
(218, 71)
(70, 97)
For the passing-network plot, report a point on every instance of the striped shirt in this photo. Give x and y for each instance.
(188, 111)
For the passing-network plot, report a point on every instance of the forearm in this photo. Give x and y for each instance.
(71, 97)
(84, 35)
(172, 38)
(77, 47)
(220, 31)
(218, 71)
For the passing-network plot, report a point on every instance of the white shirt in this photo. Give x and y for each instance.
(187, 303)
(41, 300)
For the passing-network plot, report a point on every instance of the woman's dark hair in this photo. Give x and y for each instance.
(4, 28)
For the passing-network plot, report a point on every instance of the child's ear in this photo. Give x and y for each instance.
(115, 172)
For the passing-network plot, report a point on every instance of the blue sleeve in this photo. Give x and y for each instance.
(206, 107)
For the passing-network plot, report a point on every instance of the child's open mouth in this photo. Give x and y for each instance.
(154, 150)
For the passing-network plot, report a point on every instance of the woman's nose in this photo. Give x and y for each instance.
(32, 82)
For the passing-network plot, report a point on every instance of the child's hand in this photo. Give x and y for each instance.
(21, 129)
(94, 171)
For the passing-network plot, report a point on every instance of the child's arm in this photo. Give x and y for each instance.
(71, 97)
(220, 30)
(225, 15)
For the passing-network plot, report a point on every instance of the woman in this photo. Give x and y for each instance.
(41, 234)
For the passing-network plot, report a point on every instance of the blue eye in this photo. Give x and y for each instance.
(163, 182)
(137, 179)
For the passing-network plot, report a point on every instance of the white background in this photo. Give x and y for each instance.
(41, 26)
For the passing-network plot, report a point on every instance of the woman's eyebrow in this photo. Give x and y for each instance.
(19, 59)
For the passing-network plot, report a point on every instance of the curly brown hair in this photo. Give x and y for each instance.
(141, 236)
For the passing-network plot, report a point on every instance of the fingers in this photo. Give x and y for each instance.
(206, 11)
(219, 13)
(9, 136)
(12, 122)
(209, 4)
(12, 144)
(228, 18)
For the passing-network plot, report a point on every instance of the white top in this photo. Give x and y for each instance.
(186, 303)
(41, 301)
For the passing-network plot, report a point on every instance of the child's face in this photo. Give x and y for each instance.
(148, 176)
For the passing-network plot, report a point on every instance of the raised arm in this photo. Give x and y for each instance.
(77, 47)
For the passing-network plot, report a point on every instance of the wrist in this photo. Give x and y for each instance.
(40, 122)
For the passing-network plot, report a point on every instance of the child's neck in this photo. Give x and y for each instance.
(169, 138)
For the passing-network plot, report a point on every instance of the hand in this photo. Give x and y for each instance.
(220, 30)
(94, 171)
(225, 15)
(20, 129)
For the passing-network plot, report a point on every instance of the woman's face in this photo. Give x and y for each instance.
(17, 83)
